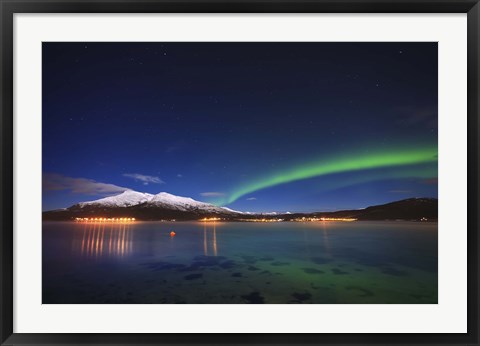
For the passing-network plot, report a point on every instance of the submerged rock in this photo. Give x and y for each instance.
(254, 298)
(193, 276)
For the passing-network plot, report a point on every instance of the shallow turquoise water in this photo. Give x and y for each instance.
(286, 262)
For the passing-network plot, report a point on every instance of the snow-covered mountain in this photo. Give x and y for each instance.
(125, 199)
(161, 201)
(167, 200)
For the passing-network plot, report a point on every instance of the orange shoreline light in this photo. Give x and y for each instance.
(104, 219)
(308, 219)
(206, 219)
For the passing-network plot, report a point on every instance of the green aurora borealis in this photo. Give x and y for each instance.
(411, 158)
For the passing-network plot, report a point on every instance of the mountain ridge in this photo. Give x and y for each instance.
(165, 206)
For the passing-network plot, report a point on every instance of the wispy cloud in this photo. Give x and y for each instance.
(400, 191)
(145, 179)
(251, 199)
(413, 116)
(58, 182)
(212, 194)
(176, 146)
(179, 175)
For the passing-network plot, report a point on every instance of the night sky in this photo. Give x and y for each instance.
(252, 126)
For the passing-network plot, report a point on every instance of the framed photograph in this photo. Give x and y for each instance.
(238, 173)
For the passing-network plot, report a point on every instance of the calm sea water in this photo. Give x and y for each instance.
(286, 262)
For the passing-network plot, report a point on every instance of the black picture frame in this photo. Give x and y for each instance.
(10, 7)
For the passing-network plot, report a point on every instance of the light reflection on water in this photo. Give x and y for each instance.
(209, 231)
(117, 239)
(100, 239)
